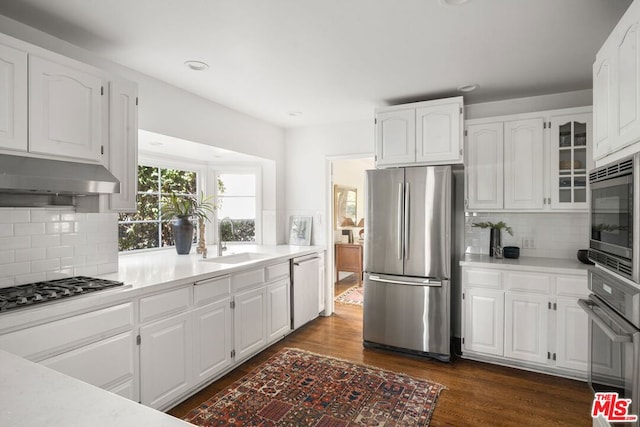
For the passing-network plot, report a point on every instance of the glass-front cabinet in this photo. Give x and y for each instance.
(570, 152)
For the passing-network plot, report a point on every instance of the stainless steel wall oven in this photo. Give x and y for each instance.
(614, 337)
(615, 217)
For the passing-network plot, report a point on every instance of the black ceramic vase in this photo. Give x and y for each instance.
(182, 234)
(494, 239)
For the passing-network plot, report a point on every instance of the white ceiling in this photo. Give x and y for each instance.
(336, 60)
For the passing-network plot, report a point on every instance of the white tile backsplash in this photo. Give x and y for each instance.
(51, 243)
(556, 235)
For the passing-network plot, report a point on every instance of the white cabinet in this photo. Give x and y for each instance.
(525, 319)
(123, 144)
(420, 133)
(13, 98)
(616, 87)
(213, 341)
(279, 310)
(484, 170)
(250, 328)
(165, 360)
(65, 110)
(523, 167)
(526, 326)
(528, 162)
(484, 321)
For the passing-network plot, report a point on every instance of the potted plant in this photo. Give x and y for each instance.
(495, 233)
(182, 210)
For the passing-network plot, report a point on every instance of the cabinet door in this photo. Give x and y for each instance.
(212, 326)
(439, 133)
(570, 158)
(123, 144)
(278, 310)
(602, 105)
(65, 111)
(484, 164)
(523, 164)
(250, 331)
(165, 360)
(627, 84)
(526, 326)
(572, 335)
(13, 98)
(116, 358)
(484, 321)
(396, 137)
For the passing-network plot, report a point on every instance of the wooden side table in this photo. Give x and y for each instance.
(349, 258)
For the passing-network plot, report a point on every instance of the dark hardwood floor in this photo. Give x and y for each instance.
(477, 394)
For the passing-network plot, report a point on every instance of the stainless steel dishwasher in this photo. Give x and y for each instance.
(305, 298)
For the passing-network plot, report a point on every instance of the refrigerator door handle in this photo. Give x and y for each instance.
(425, 282)
(400, 204)
(406, 221)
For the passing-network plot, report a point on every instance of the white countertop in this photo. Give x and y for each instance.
(160, 270)
(543, 265)
(33, 395)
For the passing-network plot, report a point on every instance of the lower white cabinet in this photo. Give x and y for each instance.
(484, 321)
(250, 329)
(213, 341)
(165, 360)
(525, 319)
(279, 310)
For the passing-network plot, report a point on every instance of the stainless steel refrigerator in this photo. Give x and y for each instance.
(407, 297)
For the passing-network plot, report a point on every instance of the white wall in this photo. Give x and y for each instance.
(168, 110)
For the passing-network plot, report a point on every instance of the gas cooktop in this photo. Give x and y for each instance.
(51, 290)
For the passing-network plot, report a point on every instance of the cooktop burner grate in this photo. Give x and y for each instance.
(51, 290)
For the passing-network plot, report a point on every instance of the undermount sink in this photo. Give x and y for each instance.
(238, 258)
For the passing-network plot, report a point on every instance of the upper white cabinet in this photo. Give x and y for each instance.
(65, 110)
(13, 98)
(523, 168)
(528, 162)
(616, 87)
(420, 133)
(123, 144)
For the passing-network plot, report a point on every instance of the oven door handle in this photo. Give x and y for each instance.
(587, 306)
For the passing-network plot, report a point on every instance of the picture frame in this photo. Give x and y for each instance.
(300, 230)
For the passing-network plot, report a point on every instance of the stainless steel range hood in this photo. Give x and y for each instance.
(29, 175)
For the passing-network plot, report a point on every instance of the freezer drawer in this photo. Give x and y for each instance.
(406, 313)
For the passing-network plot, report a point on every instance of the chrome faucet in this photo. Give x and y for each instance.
(221, 246)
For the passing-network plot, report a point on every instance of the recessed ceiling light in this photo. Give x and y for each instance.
(468, 88)
(453, 2)
(156, 143)
(295, 113)
(196, 65)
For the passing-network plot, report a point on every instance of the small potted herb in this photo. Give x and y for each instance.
(183, 209)
(495, 233)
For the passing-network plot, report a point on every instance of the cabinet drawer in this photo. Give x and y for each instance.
(483, 278)
(572, 286)
(528, 282)
(247, 279)
(102, 364)
(211, 290)
(55, 337)
(277, 271)
(159, 305)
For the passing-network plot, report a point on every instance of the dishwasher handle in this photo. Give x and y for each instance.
(297, 263)
(587, 306)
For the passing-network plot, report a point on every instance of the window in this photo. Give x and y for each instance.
(237, 198)
(145, 228)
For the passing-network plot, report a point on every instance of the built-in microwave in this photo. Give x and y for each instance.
(615, 217)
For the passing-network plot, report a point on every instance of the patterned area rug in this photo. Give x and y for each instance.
(298, 388)
(354, 295)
